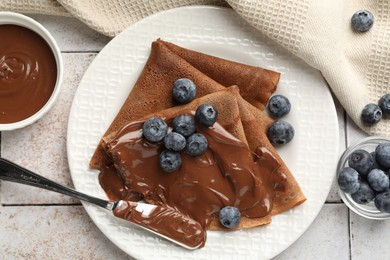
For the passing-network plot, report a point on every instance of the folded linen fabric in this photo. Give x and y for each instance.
(356, 65)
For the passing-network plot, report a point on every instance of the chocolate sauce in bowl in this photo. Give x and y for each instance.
(28, 73)
(227, 174)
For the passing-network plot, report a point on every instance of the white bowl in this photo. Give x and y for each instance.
(27, 22)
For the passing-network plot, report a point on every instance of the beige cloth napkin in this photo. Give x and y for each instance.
(356, 65)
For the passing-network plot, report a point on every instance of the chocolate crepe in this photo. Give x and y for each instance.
(152, 93)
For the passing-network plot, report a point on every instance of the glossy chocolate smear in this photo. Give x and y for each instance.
(227, 174)
(28, 73)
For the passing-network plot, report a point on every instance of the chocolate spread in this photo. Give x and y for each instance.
(227, 174)
(28, 73)
(184, 229)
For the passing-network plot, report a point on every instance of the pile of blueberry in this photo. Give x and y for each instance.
(373, 113)
(366, 177)
(280, 131)
(183, 135)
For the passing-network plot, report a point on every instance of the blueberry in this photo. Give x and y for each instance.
(174, 141)
(382, 201)
(371, 114)
(279, 105)
(206, 114)
(364, 195)
(378, 180)
(280, 132)
(184, 90)
(155, 129)
(184, 124)
(361, 161)
(382, 154)
(196, 144)
(375, 165)
(362, 20)
(229, 216)
(349, 180)
(170, 161)
(384, 104)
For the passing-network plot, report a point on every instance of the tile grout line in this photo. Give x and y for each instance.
(349, 234)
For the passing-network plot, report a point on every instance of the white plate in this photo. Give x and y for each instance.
(311, 156)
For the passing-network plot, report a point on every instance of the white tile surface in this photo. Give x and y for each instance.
(326, 238)
(354, 134)
(55, 232)
(41, 147)
(370, 238)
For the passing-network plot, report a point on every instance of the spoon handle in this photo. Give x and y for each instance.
(10, 171)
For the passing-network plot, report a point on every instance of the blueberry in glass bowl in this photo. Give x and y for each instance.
(366, 191)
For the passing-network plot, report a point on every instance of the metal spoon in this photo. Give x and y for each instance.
(10, 171)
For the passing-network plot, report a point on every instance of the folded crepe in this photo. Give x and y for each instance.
(152, 93)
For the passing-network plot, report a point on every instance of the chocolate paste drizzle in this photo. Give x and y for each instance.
(227, 174)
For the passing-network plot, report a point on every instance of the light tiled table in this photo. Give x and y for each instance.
(38, 224)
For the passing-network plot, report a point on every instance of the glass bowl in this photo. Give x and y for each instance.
(365, 210)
